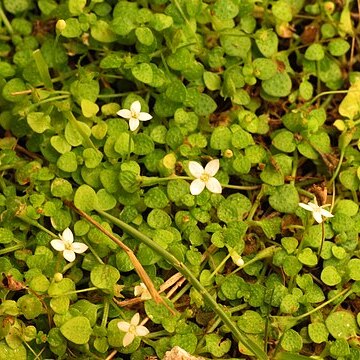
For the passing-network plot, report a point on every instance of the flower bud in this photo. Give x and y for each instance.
(58, 277)
(60, 25)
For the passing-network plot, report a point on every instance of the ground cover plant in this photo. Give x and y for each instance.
(179, 174)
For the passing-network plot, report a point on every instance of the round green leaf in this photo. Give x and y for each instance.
(291, 341)
(67, 162)
(144, 35)
(251, 322)
(158, 219)
(77, 330)
(267, 42)
(85, 198)
(314, 52)
(278, 86)
(341, 324)
(330, 276)
(285, 199)
(143, 72)
(318, 332)
(104, 277)
(284, 141)
(39, 122)
(354, 269)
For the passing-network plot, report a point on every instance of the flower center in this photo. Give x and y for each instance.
(134, 114)
(68, 246)
(132, 329)
(205, 177)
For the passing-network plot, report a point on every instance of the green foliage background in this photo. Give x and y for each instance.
(271, 88)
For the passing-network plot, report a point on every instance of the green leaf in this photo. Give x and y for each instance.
(285, 199)
(144, 35)
(279, 85)
(89, 108)
(341, 324)
(338, 47)
(330, 276)
(39, 122)
(104, 277)
(318, 332)
(314, 52)
(354, 269)
(267, 42)
(85, 198)
(251, 322)
(77, 330)
(67, 162)
(235, 43)
(216, 345)
(284, 141)
(102, 31)
(225, 9)
(350, 105)
(72, 29)
(291, 341)
(143, 72)
(282, 10)
(221, 138)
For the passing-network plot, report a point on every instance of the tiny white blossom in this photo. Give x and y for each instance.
(66, 244)
(204, 177)
(132, 329)
(142, 291)
(134, 115)
(318, 212)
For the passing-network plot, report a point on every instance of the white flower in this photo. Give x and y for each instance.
(318, 212)
(67, 245)
(204, 177)
(142, 290)
(134, 115)
(132, 329)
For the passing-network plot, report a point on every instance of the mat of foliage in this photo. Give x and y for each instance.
(179, 174)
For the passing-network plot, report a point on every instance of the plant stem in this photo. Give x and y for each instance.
(6, 21)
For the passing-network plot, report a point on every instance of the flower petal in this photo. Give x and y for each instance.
(123, 326)
(69, 255)
(317, 216)
(135, 319)
(58, 244)
(125, 113)
(214, 186)
(79, 247)
(134, 124)
(196, 169)
(326, 213)
(68, 236)
(143, 116)
(307, 206)
(135, 107)
(141, 330)
(196, 187)
(212, 167)
(128, 339)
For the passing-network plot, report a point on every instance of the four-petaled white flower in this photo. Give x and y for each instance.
(134, 115)
(142, 291)
(318, 212)
(67, 245)
(204, 177)
(132, 329)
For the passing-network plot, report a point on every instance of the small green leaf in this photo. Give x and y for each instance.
(105, 277)
(314, 52)
(285, 199)
(291, 341)
(267, 42)
(341, 324)
(85, 198)
(278, 86)
(330, 276)
(39, 122)
(77, 330)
